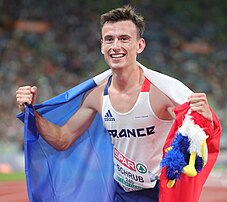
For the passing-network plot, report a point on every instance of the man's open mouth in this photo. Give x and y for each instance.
(117, 55)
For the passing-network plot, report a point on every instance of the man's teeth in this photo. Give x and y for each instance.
(117, 56)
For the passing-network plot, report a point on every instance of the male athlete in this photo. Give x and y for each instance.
(137, 115)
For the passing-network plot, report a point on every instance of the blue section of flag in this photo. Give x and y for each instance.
(84, 172)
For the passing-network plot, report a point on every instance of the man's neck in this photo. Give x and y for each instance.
(127, 78)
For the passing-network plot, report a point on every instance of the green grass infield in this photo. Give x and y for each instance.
(15, 176)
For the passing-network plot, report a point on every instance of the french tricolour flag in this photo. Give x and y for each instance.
(84, 172)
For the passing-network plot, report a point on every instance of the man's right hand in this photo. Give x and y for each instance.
(26, 95)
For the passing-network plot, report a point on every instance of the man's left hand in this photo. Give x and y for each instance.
(199, 103)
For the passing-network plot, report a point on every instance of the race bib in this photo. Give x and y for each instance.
(131, 175)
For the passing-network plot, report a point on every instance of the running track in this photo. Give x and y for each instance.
(215, 190)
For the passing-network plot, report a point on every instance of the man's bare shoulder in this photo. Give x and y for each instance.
(98, 90)
(93, 98)
(160, 103)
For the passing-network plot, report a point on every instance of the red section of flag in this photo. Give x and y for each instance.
(188, 189)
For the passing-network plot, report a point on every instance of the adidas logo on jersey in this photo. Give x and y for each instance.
(108, 116)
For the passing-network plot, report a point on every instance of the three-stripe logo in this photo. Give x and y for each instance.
(108, 116)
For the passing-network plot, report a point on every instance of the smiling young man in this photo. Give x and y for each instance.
(137, 115)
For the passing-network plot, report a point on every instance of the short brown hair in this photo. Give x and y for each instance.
(125, 13)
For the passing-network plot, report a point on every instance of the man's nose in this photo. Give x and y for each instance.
(116, 44)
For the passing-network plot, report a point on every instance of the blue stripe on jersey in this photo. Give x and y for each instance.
(107, 85)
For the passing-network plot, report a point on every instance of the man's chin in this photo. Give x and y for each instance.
(117, 65)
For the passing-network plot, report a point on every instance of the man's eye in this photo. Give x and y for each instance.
(109, 40)
(124, 39)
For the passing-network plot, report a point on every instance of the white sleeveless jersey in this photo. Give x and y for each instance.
(138, 137)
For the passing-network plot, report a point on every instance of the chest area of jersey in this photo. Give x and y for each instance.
(135, 123)
(123, 102)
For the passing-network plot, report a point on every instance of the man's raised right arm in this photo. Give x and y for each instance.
(60, 137)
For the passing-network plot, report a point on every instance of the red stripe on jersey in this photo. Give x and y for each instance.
(146, 85)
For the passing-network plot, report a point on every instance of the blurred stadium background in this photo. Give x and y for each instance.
(56, 45)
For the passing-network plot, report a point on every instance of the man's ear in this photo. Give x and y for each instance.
(141, 45)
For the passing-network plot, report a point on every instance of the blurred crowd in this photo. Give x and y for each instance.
(57, 46)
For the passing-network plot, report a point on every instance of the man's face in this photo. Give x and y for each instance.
(120, 44)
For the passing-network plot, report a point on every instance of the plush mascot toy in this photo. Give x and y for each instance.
(188, 152)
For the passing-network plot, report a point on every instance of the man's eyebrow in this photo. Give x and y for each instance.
(108, 36)
(125, 35)
(120, 36)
